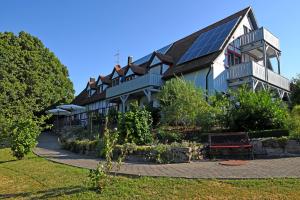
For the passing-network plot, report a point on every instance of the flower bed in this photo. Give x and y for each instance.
(160, 153)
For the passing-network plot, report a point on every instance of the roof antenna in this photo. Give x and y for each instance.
(117, 57)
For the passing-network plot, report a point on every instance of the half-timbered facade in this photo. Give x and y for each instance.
(227, 54)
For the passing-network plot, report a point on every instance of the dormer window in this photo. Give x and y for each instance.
(91, 92)
(130, 77)
(115, 81)
(100, 88)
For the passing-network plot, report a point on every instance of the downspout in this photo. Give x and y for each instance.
(206, 81)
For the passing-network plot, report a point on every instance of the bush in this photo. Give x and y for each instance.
(135, 126)
(166, 136)
(277, 133)
(183, 104)
(280, 142)
(295, 90)
(256, 111)
(295, 123)
(24, 137)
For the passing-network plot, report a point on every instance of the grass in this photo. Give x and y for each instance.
(37, 178)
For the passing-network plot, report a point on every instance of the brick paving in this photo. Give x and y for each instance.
(49, 148)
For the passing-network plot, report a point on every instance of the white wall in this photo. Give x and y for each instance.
(219, 68)
(199, 79)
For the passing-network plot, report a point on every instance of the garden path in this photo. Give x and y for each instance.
(49, 148)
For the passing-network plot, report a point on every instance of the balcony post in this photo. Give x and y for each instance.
(123, 100)
(278, 62)
(147, 92)
(265, 60)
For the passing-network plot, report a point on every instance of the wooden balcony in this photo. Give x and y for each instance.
(254, 38)
(136, 84)
(257, 71)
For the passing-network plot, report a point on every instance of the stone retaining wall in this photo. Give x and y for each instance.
(273, 147)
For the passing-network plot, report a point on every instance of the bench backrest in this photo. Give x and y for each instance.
(228, 138)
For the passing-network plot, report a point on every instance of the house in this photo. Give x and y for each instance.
(227, 54)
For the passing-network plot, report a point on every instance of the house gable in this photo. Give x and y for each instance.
(114, 75)
(155, 61)
(220, 64)
(129, 72)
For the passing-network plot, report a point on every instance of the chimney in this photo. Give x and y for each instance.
(92, 80)
(129, 60)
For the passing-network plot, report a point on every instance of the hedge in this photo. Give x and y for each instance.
(268, 133)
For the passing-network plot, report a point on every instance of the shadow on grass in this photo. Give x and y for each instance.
(46, 194)
(7, 161)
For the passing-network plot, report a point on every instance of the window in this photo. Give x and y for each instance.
(91, 92)
(100, 88)
(246, 29)
(233, 59)
(130, 77)
(115, 81)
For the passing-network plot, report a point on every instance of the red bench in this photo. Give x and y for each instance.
(229, 141)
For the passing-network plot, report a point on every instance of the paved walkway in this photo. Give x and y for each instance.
(49, 148)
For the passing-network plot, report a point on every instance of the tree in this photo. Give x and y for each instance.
(295, 90)
(31, 79)
(182, 103)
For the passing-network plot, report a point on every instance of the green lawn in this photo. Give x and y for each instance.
(37, 178)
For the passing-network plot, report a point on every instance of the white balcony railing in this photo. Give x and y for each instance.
(256, 70)
(135, 84)
(257, 35)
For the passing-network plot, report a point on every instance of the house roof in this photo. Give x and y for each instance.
(135, 69)
(104, 79)
(83, 98)
(119, 70)
(91, 83)
(164, 58)
(181, 46)
(172, 55)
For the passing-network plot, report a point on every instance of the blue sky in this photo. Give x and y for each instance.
(86, 34)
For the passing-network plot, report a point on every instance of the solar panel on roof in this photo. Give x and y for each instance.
(146, 58)
(208, 42)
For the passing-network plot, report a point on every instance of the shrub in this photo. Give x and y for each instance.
(275, 142)
(256, 111)
(135, 125)
(295, 90)
(98, 178)
(162, 153)
(155, 114)
(166, 136)
(268, 133)
(182, 103)
(24, 137)
(295, 123)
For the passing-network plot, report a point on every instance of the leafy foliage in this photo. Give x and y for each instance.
(23, 137)
(168, 136)
(295, 123)
(295, 90)
(256, 110)
(136, 125)
(31, 79)
(98, 178)
(182, 103)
